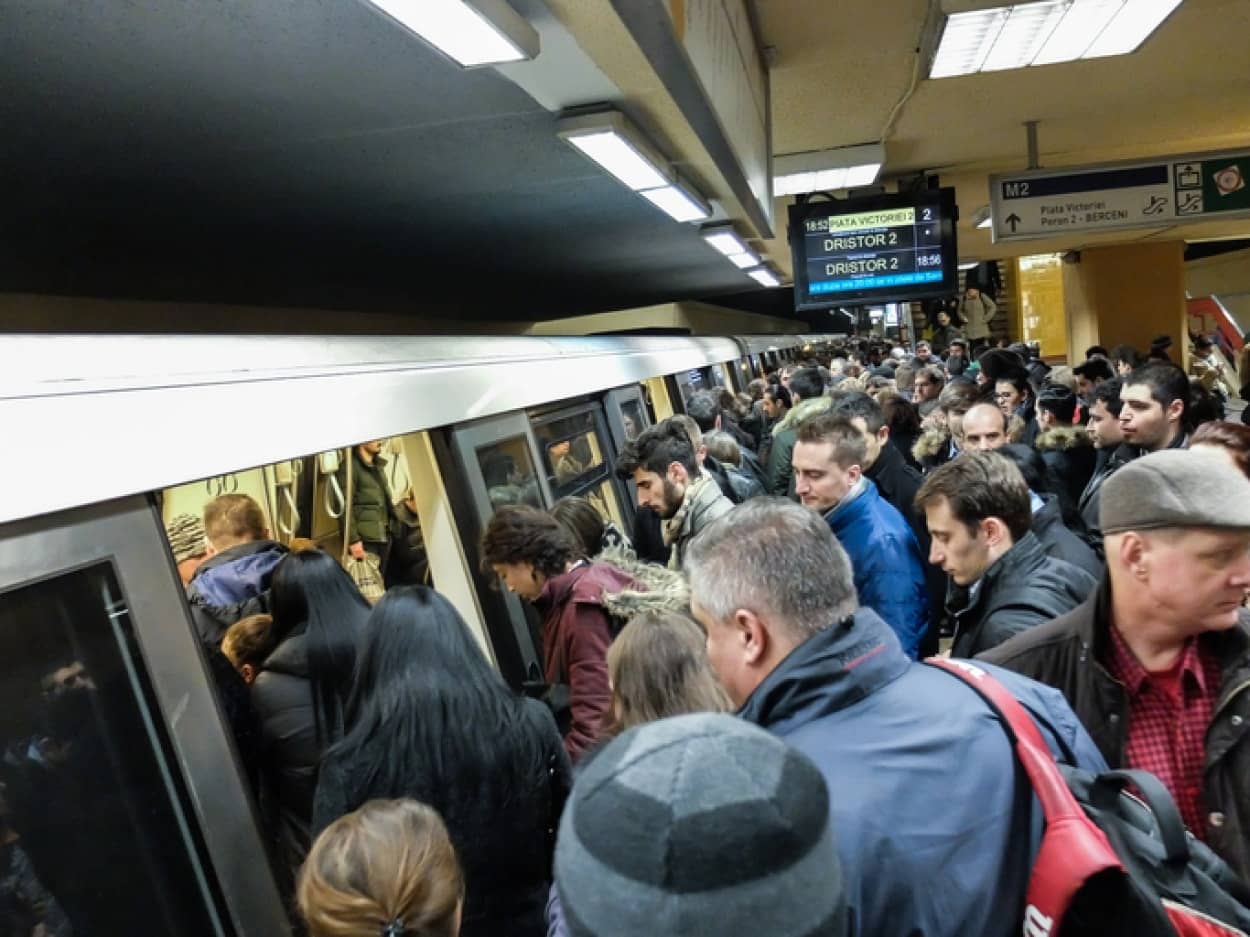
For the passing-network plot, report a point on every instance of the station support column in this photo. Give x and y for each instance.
(1127, 293)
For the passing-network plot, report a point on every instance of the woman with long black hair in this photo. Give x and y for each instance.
(430, 719)
(300, 692)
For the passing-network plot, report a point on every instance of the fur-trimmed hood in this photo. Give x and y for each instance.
(664, 589)
(800, 412)
(932, 442)
(1062, 437)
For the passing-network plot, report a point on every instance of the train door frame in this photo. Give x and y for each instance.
(209, 793)
(518, 646)
(613, 405)
(598, 410)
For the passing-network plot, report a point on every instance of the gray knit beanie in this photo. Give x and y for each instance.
(700, 826)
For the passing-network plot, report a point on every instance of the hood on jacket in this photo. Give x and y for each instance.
(932, 442)
(800, 412)
(236, 575)
(656, 588)
(1062, 437)
(587, 583)
(835, 668)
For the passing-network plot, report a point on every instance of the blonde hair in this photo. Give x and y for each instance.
(388, 867)
(658, 668)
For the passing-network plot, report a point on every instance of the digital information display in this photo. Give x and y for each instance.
(854, 251)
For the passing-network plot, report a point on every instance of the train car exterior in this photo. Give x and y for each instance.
(110, 727)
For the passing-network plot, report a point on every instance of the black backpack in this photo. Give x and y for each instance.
(1112, 863)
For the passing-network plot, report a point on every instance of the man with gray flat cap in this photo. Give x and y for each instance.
(1157, 662)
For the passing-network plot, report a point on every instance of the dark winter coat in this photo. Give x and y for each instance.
(734, 483)
(372, 516)
(648, 536)
(1068, 654)
(895, 740)
(232, 585)
(282, 696)
(504, 838)
(1061, 543)
(1071, 456)
(1023, 588)
(1119, 457)
(576, 634)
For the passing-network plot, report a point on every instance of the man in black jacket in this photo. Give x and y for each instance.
(373, 525)
(978, 512)
(1157, 663)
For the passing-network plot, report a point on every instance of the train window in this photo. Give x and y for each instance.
(634, 418)
(509, 473)
(576, 447)
(92, 817)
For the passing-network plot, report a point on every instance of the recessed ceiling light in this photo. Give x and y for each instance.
(764, 277)
(746, 260)
(1044, 32)
(609, 139)
(844, 167)
(472, 32)
(677, 203)
(725, 239)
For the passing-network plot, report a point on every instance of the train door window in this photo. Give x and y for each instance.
(92, 811)
(713, 376)
(498, 458)
(576, 446)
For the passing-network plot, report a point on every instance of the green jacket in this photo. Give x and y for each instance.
(780, 474)
(373, 513)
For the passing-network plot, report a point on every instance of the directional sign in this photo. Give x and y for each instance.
(1148, 194)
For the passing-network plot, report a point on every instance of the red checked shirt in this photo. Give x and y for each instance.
(1168, 715)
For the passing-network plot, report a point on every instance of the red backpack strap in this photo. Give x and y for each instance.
(1073, 848)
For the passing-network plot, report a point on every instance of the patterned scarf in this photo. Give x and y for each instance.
(672, 527)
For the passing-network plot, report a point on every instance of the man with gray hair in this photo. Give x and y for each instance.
(893, 738)
(1157, 662)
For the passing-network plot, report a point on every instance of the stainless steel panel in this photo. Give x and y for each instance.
(149, 412)
(127, 534)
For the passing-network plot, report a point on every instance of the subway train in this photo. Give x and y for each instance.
(148, 824)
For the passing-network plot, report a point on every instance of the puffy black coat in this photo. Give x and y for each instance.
(1071, 456)
(1025, 587)
(504, 838)
(282, 696)
(1060, 542)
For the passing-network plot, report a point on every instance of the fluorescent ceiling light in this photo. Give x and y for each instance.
(1044, 32)
(969, 265)
(678, 204)
(618, 147)
(981, 218)
(473, 32)
(725, 239)
(764, 277)
(845, 167)
(746, 260)
(1131, 27)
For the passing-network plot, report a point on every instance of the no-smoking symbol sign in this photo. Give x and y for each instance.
(1230, 180)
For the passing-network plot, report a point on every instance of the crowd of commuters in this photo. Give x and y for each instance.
(733, 733)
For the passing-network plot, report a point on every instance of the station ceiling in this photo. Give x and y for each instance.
(309, 153)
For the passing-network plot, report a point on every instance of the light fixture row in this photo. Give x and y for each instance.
(1044, 32)
(725, 239)
(610, 139)
(490, 32)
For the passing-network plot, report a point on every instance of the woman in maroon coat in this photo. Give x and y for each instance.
(538, 559)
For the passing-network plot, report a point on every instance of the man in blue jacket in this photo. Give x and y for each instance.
(937, 828)
(828, 460)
